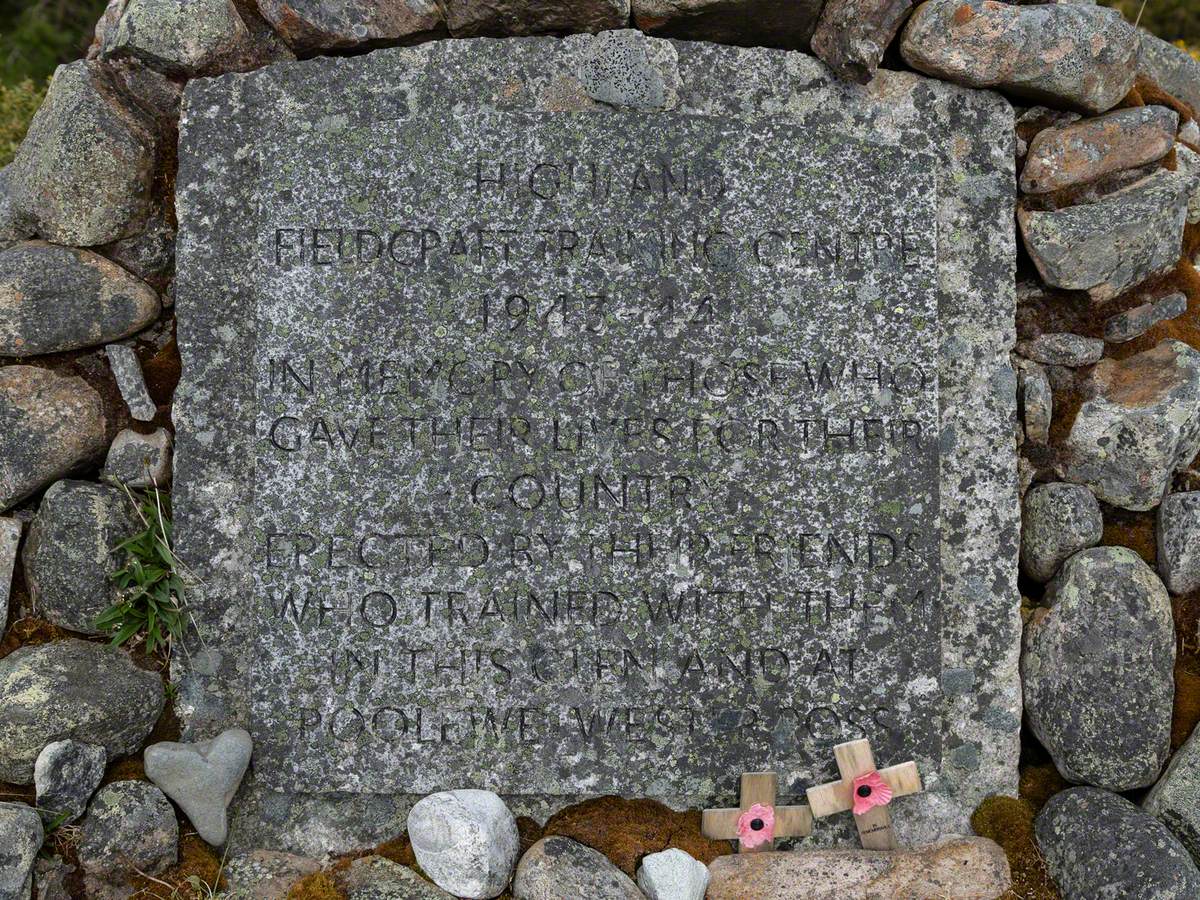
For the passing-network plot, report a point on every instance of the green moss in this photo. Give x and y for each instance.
(18, 103)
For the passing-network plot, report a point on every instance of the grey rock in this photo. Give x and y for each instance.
(149, 254)
(1098, 669)
(1140, 423)
(69, 556)
(1099, 846)
(127, 370)
(49, 425)
(50, 878)
(1062, 349)
(72, 689)
(1171, 68)
(558, 868)
(14, 225)
(618, 70)
(266, 874)
(66, 774)
(190, 38)
(202, 778)
(852, 35)
(84, 172)
(750, 23)
(500, 18)
(376, 878)
(1179, 542)
(466, 841)
(1175, 799)
(1058, 520)
(1133, 323)
(1066, 155)
(20, 840)
(1187, 163)
(310, 26)
(1037, 403)
(58, 298)
(1111, 245)
(10, 539)
(139, 460)
(672, 875)
(1190, 131)
(1082, 57)
(129, 826)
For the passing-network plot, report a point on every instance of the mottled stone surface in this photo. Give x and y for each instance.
(1171, 68)
(202, 778)
(1083, 151)
(1097, 670)
(266, 874)
(234, 159)
(1178, 531)
(1037, 403)
(618, 70)
(66, 774)
(672, 875)
(129, 825)
(376, 878)
(466, 841)
(72, 689)
(50, 876)
(69, 556)
(1062, 349)
(57, 298)
(189, 38)
(1078, 56)
(1099, 845)
(962, 868)
(1133, 323)
(139, 460)
(767, 23)
(83, 173)
(851, 35)
(20, 840)
(1175, 799)
(49, 425)
(1058, 520)
(1187, 163)
(500, 18)
(127, 370)
(313, 26)
(1108, 246)
(10, 539)
(1140, 423)
(557, 868)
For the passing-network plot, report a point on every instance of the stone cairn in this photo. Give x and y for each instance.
(1107, 356)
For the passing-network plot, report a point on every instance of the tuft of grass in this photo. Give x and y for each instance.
(18, 103)
(152, 588)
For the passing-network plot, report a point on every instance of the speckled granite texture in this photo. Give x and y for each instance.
(455, 435)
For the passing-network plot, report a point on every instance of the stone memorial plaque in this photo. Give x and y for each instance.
(561, 448)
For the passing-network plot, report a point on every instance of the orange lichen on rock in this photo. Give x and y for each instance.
(196, 876)
(1009, 822)
(317, 886)
(626, 830)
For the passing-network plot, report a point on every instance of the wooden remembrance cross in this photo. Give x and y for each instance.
(855, 762)
(757, 788)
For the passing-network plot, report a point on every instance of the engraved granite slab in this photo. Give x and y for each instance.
(530, 443)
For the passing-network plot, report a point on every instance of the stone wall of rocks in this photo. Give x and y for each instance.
(1108, 361)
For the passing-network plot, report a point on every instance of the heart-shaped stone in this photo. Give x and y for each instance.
(202, 778)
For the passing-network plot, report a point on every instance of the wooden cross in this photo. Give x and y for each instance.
(757, 787)
(854, 760)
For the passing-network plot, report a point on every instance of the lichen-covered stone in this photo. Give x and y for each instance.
(1171, 68)
(1115, 243)
(1062, 349)
(50, 877)
(190, 38)
(1133, 323)
(1058, 520)
(70, 554)
(72, 689)
(10, 539)
(202, 778)
(1187, 163)
(1099, 845)
(1140, 423)
(66, 774)
(49, 425)
(129, 829)
(266, 874)
(1175, 799)
(1037, 403)
(501, 18)
(14, 225)
(313, 26)
(376, 878)
(766, 23)
(558, 868)
(139, 460)
(962, 868)
(672, 875)
(20, 839)
(1098, 670)
(1079, 56)
(618, 70)
(57, 298)
(127, 370)
(1066, 155)
(465, 841)
(1179, 542)
(84, 172)
(851, 35)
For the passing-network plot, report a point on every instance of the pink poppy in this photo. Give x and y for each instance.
(870, 791)
(756, 826)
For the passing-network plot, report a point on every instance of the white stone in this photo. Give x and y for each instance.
(672, 875)
(202, 778)
(466, 842)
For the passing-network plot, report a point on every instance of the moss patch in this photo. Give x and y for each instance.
(196, 876)
(29, 632)
(317, 886)
(1009, 822)
(1040, 782)
(1135, 530)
